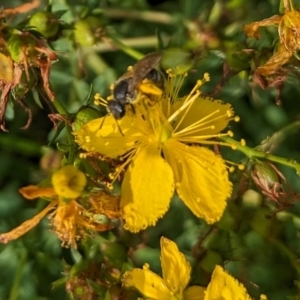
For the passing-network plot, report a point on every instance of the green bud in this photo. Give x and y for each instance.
(238, 59)
(178, 60)
(115, 253)
(45, 23)
(265, 174)
(87, 31)
(21, 47)
(26, 84)
(85, 115)
(210, 259)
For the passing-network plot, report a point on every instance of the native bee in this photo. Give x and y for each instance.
(125, 89)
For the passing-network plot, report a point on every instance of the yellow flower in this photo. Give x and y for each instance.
(69, 219)
(175, 277)
(159, 146)
(224, 287)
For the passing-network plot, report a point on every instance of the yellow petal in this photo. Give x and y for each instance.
(147, 189)
(148, 283)
(32, 192)
(252, 29)
(6, 68)
(69, 182)
(175, 268)
(26, 226)
(205, 117)
(194, 293)
(103, 136)
(224, 287)
(277, 60)
(201, 179)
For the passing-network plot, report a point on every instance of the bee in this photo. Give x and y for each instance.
(125, 91)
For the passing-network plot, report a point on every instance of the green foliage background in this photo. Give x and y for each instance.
(261, 252)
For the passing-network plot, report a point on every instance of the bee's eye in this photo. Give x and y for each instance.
(120, 91)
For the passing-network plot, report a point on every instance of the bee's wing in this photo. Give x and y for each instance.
(142, 68)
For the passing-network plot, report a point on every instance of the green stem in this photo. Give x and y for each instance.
(73, 147)
(139, 42)
(148, 16)
(14, 292)
(255, 153)
(126, 49)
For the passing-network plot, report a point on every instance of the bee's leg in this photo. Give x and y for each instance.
(132, 108)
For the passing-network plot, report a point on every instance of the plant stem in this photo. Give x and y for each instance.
(148, 16)
(126, 49)
(255, 153)
(139, 42)
(14, 292)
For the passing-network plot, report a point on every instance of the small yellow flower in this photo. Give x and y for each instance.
(175, 277)
(68, 182)
(160, 150)
(69, 218)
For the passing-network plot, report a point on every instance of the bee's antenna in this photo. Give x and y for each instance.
(101, 125)
(118, 125)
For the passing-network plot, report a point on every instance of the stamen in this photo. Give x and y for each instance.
(197, 124)
(189, 100)
(98, 100)
(120, 168)
(241, 167)
(178, 111)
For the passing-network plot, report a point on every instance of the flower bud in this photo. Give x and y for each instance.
(45, 23)
(85, 115)
(210, 259)
(87, 31)
(21, 46)
(265, 175)
(239, 59)
(115, 253)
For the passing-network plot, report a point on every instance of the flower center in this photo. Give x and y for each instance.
(165, 134)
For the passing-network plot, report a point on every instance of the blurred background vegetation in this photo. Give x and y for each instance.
(259, 247)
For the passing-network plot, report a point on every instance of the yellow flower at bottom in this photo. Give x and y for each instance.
(176, 275)
(161, 149)
(225, 287)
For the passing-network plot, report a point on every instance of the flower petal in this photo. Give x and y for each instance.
(103, 136)
(194, 293)
(224, 286)
(175, 268)
(201, 179)
(147, 189)
(252, 29)
(204, 117)
(148, 283)
(27, 225)
(31, 192)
